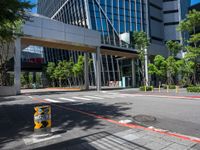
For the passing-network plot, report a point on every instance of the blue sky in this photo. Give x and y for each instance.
(195, 1)
(35, 1)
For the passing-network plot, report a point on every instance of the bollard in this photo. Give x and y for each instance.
(152, 90)
(145, 89)
(42, 119)
(177, 89)
(167, 88)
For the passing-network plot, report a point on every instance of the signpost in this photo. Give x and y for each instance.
(42, 119)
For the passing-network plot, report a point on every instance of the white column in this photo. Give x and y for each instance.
(133, 73)
(98, 69)
(17, 65)
(146, 67)
(86, 71)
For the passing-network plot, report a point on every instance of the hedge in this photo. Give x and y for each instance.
(170, 86)
(193, 89)
(148, 88)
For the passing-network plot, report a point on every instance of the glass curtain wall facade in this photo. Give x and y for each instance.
(110, 17)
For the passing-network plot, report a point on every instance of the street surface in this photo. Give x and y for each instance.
(79, 117)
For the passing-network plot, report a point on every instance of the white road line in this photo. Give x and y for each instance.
(30, 96)
(107, 96)
(87, 99)
(51, 100)
(67, 99)
(94, 97)
(118, 95)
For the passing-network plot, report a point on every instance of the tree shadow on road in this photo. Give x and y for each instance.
(17, 119)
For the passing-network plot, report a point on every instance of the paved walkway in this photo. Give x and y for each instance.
(134, 139)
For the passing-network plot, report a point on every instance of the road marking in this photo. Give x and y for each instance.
(94, 97)
(51, 100)
(107, 96)
(67, 99)
(82, 98)
(125, 121)
(32, 140)
(30, 97)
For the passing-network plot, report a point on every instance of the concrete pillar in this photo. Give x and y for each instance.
(146, 68)
(98, 69)
(133, 73)
(86, 71)
(17, 65)
(34, 77)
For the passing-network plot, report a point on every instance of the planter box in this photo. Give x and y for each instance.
(7, 91)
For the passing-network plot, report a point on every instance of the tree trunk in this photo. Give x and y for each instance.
(60, 82)
(69, 82)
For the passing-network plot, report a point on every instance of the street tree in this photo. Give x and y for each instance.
(50, 71)
(158, 67)
(171, 69)
(12, 15)
(63, 71)
(185, 68)
(174, 47)
(141, 42)
(78, 68)
(189, 25)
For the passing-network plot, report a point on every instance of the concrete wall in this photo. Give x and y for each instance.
(52, 30)
(7, 90)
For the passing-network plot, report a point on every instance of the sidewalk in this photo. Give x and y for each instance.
(129, 139)
(163, 92)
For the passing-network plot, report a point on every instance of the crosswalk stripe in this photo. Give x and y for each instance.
(67, 99)
(107, 96)
(94, 97)
(51, 100)
(82, 98)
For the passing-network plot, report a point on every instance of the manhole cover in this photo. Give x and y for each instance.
(144, 118)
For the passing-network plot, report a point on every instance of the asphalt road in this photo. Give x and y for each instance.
(71, 113)
(177, 115)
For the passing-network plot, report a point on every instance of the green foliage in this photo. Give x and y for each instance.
(194, 89)
(185, 68)
(191, 22)
(140, 41)
(63, 71)
(169, 86)
(158, 66)
(13, 13)
(174, 47)
(50, 70)
(148, 88)
(78, 67)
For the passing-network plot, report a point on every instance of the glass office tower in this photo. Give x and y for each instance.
(114, 18)
(110, 17)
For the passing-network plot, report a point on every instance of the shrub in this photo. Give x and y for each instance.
(170, 86)
(148, 88)
(193, 89)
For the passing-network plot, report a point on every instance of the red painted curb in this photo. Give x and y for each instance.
(180, 136)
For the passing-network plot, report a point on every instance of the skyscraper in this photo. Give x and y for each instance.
(114, 19)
